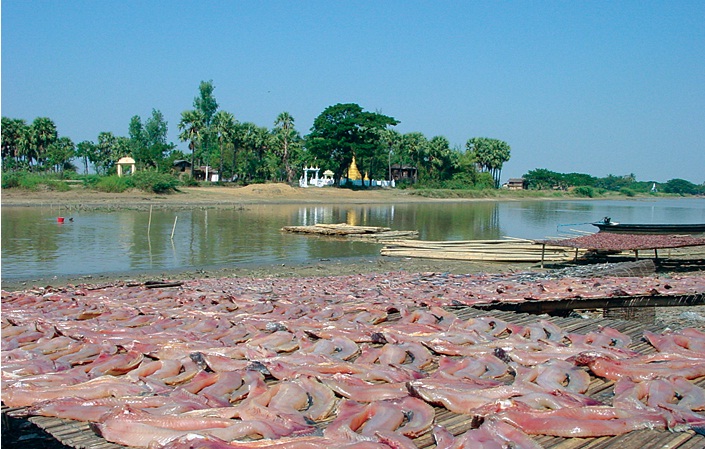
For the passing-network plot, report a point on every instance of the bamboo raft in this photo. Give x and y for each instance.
(500, 250)
(366, 233)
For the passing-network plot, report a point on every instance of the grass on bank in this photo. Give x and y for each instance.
(147, 181)
(161, 183)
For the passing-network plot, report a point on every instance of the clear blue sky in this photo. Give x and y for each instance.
(598, 87)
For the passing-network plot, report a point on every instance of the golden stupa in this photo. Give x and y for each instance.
(353, 172)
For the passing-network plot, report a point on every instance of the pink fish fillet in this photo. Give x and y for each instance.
(583, 422)
(19, 394)
(616, 369)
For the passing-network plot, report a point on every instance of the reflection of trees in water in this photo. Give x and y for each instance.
(31, 235)
(455, 221)
(34, 244)
(540, 212)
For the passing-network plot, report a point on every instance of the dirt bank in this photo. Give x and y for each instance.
(208, 197)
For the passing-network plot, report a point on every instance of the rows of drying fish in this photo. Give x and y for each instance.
(362, 361)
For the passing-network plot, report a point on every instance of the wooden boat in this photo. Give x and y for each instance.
(607, 225)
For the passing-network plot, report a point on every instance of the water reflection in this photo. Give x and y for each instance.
(34, 244)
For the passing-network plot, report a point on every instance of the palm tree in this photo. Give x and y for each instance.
(285, 133)
(224, 129)
(43, 134)
(192, 126)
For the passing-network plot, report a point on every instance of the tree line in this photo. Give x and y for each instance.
(587, 185)
(248, 153)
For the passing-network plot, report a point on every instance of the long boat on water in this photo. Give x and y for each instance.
(608, 225)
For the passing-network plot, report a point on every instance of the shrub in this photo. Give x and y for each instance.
(188, 181)
(585, 191)
(33, 181)
(152, 181)
(10, 180)
(114, 184)
(626, 191)
(91, 181)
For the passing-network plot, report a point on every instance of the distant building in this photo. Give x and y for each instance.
(516, 184)
(182, 168)
(403, 172)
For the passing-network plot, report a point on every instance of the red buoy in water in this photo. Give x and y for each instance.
(60, 219)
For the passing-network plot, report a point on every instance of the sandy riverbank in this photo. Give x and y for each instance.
(211, 197)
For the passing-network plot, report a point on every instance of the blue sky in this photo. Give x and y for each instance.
(598, 87)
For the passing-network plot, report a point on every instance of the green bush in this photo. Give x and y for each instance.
(33, 181)
(152, 181)
(55, 184)
(91, 181)
(188, 181)
(11, 180)
(585, 191)
(626, 191)
(114, 184)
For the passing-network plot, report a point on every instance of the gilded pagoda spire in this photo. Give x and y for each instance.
(353, 172)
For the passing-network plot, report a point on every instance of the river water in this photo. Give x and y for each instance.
(35, 244)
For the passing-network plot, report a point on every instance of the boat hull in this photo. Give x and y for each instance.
(627, 228)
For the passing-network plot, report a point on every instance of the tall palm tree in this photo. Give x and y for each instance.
(43, 134)
(285, 133)
(223, 127)
(192, 126)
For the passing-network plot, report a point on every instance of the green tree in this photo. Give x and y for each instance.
(224, 131)
(615, 183)
(254, 144)
(680, 187)
(391, 139)
(206, 103)
(342, 131)
(440, 161)
(15, 142)
(192, 126)
(542, 179)
(108, 151)
(490, 154)
(42, 134)
(414, 146)
(286, 142)
(155, 137)
(579, 179)
(84, 150)
(59, 154)
(138, 144)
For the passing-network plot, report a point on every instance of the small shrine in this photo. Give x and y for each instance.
(315, 180)
(125, 162)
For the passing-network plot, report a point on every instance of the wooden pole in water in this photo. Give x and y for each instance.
(149, 224)
(174, 228)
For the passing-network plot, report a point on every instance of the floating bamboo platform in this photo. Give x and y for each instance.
(366, 233)
(500, 250)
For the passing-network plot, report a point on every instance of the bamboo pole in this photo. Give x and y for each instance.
(149, 223)
(174, 227)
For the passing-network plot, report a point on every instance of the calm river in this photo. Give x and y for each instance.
(34, 244)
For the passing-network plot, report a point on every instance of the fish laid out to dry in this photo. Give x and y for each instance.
(364, 361)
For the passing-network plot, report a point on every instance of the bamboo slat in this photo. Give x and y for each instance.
(502, 250)
(369, 233)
